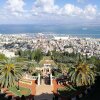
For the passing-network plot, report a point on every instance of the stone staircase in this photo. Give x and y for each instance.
(43, 92)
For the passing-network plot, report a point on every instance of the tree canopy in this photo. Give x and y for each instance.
(10, 71)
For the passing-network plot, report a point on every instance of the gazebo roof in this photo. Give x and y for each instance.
(48, 61)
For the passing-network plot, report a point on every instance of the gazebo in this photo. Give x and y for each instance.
(47, 65)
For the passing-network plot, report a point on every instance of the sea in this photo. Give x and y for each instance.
(59, 30)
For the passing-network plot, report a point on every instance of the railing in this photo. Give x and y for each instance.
(30, 77)
(53, 77)
(35, 77)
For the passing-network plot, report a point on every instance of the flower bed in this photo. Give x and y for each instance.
(20, 92)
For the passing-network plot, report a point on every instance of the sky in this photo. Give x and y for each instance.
(50, 12)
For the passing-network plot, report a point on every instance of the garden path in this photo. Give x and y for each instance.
(43, 92)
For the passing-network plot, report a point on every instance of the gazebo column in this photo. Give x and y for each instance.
(51, 78)
(38, 78)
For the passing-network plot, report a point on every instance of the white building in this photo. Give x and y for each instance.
(7, 53)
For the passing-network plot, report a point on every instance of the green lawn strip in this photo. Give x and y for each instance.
(17, 92)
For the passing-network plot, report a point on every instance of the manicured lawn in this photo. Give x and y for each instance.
(21, 91)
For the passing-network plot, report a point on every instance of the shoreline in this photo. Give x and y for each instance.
(48, 34)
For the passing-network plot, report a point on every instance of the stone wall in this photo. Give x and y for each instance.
(56, 86)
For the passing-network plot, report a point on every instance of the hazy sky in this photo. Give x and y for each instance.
(73, 12)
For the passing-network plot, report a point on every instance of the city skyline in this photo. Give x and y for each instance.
(50, 12)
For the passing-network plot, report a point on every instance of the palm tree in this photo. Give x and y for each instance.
(10, 72)
(82, 74)
(63, 67)
(31, 67)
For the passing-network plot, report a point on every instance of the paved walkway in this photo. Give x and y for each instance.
(43, 92)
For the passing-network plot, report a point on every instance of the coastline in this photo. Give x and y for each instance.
(51, 34)
(58, 30)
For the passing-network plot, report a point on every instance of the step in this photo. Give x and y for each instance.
(44, 96)
(43, 92)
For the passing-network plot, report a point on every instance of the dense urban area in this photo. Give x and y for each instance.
(9, 44)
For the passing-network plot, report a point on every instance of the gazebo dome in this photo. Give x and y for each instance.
(47, 61)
